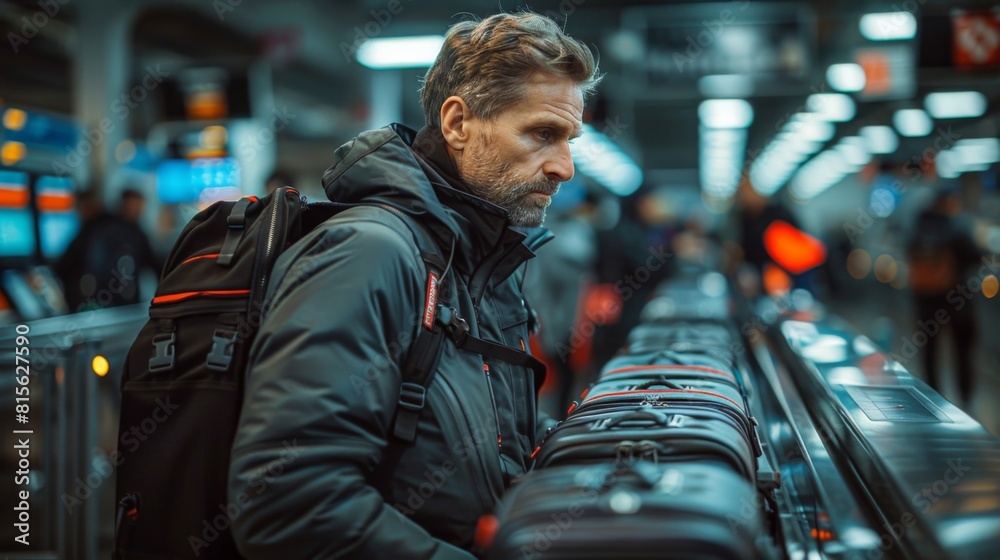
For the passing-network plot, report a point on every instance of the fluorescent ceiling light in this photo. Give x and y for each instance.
(799, 145)
(955, 104)
(888, 26)
(805, 126)
(725, 113)
(720, 159)
(722, 136)
(880, 139)
(912, 122)
(834, 107)
(824, 171)
(597, 157)
(846, 77)
(726, 85)
(400, 52)
(948, 164)
(976, 152)
(854, 150)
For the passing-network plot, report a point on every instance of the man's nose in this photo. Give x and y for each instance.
(559, 167)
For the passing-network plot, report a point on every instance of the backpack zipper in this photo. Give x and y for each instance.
(268, 248)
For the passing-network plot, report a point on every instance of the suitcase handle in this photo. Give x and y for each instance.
(645, 474)
(678, 356)
(653, 416)
(660, 382)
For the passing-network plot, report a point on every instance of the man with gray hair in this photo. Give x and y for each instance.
(317, 468)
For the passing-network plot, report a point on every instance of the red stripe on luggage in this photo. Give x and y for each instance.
(631, 369)
(648, 391)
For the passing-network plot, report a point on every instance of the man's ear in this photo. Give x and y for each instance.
(456, 122)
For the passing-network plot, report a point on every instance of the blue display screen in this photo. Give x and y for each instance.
(17, 221)
(58, 219)
(181, 181)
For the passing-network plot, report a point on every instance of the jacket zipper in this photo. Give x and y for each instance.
(453, 405)
(496, 419)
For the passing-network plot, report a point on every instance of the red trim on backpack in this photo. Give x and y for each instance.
(171, 298)
(197, 257)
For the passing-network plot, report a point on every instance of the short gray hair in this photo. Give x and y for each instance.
(487, 63)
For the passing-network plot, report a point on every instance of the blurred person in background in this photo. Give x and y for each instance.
(767, 250)
(633, 259)
(103, 264)
(554, 284)
(940, 251)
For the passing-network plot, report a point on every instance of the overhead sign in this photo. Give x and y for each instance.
(685, 44)
(890, 72)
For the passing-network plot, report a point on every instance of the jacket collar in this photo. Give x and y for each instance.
(380, 166)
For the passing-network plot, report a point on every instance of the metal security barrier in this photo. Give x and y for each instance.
(74, 366)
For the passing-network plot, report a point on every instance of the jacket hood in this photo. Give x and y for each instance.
(378, 166)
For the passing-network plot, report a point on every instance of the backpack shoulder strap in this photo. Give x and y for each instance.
(438, 323)
(425, 353)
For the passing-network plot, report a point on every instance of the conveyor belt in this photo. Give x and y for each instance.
(924, 470)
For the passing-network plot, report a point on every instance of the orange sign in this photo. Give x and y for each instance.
(977, 39)
(878, 72)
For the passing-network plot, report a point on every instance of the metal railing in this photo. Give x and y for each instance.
(73, 423)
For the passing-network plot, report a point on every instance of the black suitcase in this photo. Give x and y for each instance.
(685, 304)
(649, 337)
(684, 511)
(615, 400)
(679, 354)
(707, 284)
(638, 378)
(665, 435)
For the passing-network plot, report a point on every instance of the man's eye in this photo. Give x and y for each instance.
(544, 134)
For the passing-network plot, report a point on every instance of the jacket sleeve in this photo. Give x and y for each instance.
(321, 393)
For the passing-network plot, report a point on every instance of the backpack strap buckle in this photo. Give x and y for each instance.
(412, 400)
(412, 396)
(457, 327)
(163, 353)
(221, 355)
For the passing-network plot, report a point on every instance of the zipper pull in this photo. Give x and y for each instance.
(486, 370)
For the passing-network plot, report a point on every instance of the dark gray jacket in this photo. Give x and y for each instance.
(315, 471)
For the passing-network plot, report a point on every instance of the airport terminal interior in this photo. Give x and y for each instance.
(803, 192)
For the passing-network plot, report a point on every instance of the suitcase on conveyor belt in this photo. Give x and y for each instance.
(677, 354)
(667, 398)
(682, 511)
(683, 304)
(652, 336)
(639, 378)
(660, 436)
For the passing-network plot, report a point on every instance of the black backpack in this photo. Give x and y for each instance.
(182, 385)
